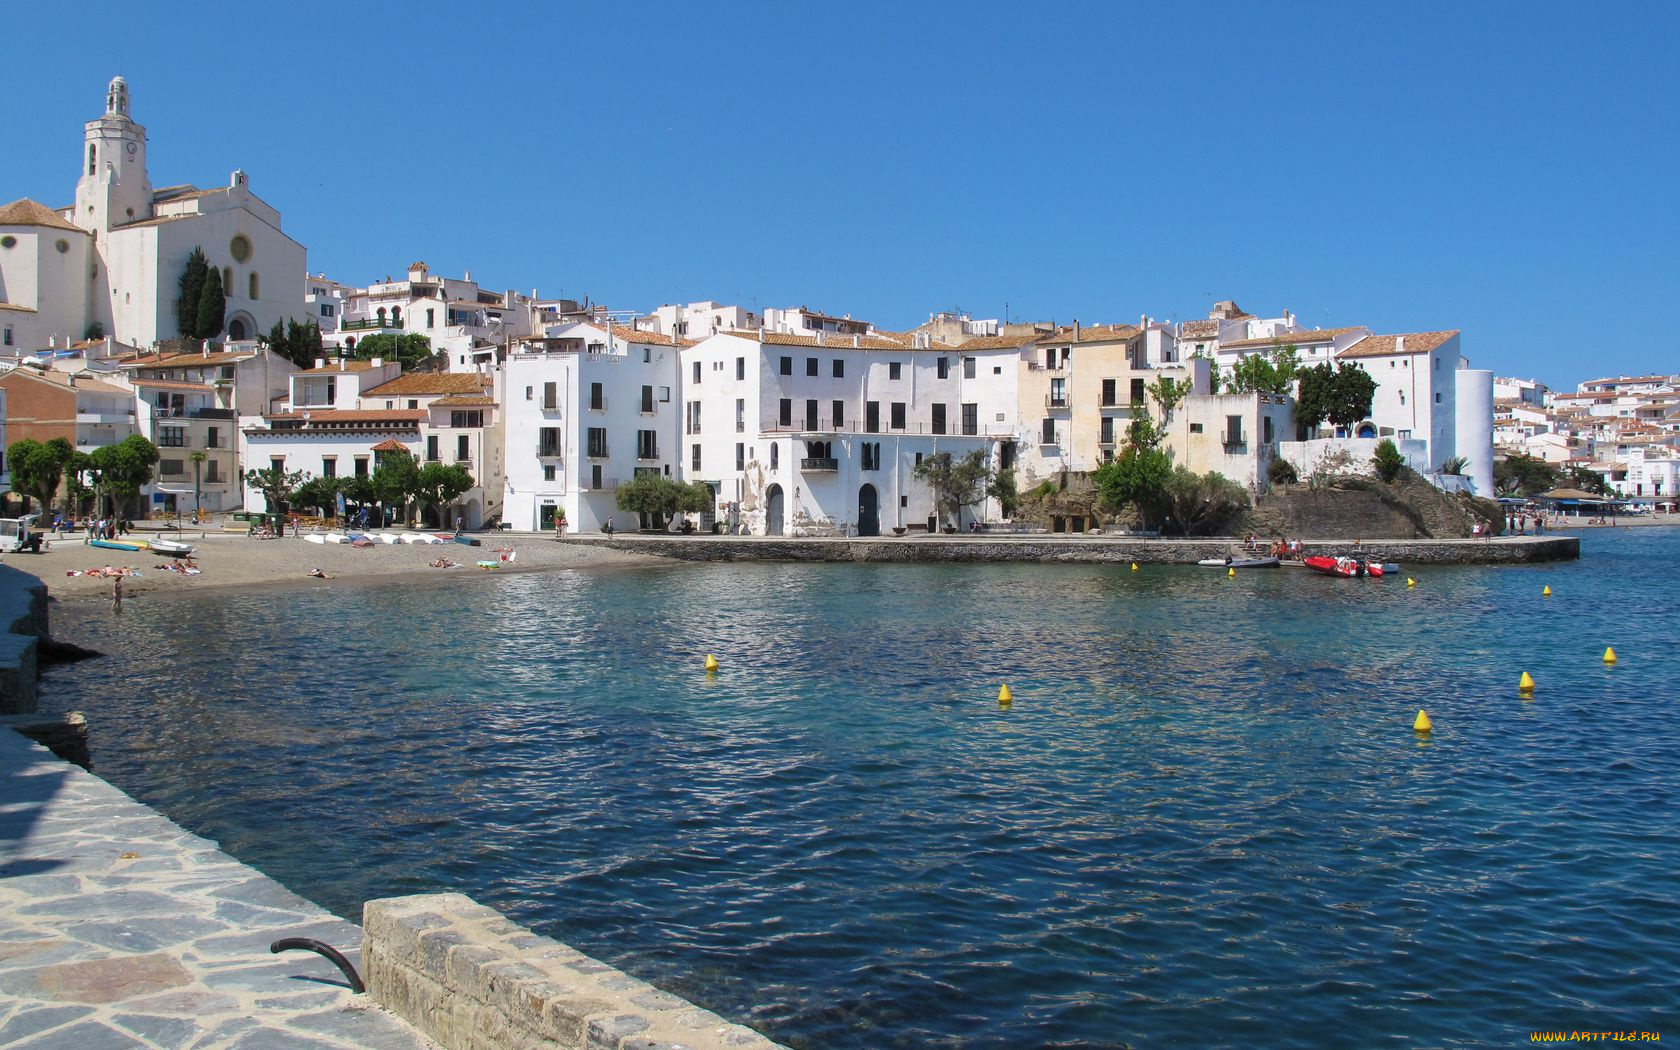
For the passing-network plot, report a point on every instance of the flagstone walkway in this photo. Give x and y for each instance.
(118, 929)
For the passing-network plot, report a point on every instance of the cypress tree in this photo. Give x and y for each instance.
(212, 306)
(193, 277)
(277, 341)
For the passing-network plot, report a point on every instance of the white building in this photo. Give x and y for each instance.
(588, 407)
(454, 314)
(461, 426)
(325, 301)
(696, 321)
(820, 435)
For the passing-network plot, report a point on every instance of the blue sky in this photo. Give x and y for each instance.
(1508, 170)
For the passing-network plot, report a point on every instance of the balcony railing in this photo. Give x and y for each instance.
(597, 451)
(607, 484)
(372, 324)
(852, 427)
(819, 463)
(547, 451)
(1052, 401)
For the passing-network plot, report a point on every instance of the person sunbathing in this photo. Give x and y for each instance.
(318, 574)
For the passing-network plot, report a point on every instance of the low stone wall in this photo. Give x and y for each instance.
(23, 620)
(1095, 550)
(470, 979)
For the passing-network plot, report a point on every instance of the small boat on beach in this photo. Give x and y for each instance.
(114, 545)
(1241, 563)
(174, 548)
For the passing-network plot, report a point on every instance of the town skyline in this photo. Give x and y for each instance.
(903, 194)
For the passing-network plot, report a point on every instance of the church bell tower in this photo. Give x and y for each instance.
(113, 189)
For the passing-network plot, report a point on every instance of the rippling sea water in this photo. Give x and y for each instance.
(1205, 819)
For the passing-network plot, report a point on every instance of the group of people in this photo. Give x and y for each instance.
(183, 565)
(1279, 548)
(1516, 523)
(102, 529)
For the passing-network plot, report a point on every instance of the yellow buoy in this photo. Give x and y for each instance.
(1609, 655)
(1134, 566)
(1422, 724)
(1230, 572)
(711, 664)
(1410, 582)
(1525, 683)
(1546, 592)
(1004, 695)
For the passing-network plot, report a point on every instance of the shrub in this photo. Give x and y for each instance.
(1388, 462)
(1282, 472)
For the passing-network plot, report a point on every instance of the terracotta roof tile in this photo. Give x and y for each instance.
(1384, 345)
(1096, 333)
(1309, 338)
(1198, 330)
(25, 212)
(354, 415)
(166, 384)
(462, 401)
(834, 341)
(997, 342)
(636, 335)
(220, 357)
(422, 383)
(19, 309)
(333, 366)
(390, 445)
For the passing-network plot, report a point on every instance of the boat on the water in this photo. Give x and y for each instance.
(1241, 563)
(1343, 566)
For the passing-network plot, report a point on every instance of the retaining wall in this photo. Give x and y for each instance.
(470, 979)
(1094, 550)
(23, 620)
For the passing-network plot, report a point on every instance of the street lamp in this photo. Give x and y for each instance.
(197, 458)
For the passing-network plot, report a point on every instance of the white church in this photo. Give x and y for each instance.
(115, 257)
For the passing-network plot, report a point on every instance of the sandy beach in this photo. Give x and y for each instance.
(233, 560)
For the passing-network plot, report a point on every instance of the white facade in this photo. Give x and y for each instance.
(1417, 391)
(44, 262)
(454, 314)
(587, 408)
(325, 301)
(696, 321)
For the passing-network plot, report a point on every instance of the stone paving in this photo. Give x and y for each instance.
(118, 929)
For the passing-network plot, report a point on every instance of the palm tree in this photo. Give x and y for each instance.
(198, 457)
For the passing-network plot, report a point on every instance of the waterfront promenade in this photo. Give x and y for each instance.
(119, 929)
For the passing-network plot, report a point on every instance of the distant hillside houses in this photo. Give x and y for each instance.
(1624, 428)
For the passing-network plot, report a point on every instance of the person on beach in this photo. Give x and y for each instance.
(318, 574)
(117, 593)
(608, 527)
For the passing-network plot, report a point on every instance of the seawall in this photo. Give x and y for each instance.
(23, 622)
(1093, 550)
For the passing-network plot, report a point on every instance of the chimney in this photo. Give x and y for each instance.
(1076, 329)
(1399, 344)
(379, 362)
(856, 340)
(341, 364)
(206, 350)
(761, 335)
(320, 362)
(819, 337)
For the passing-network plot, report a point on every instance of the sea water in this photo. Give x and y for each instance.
(1205, 819)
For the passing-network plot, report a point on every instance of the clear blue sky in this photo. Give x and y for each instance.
(1509, 170)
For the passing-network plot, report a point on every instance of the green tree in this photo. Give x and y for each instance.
(409, 350)
(303, 343)
(212, 307)
(1521, 475)
(1341, 395)
(191, 286)
(1270, 373)
(651, 498)
(37, 467)
(1002, 488)
(439, 484)
(696, 497)
(277, 485)
(1388, 462)
(1586, 479)
(956, 482)
(396, 479)
(78, 472)
(1198, 501)
(1168, 393)
(1137, 477)
(94, 330)
(123, 468)
(318, 494)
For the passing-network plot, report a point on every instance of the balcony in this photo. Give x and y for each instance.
(817, 463)
(372, 324)
(550, 407)
(1235, 444)
(548, 451)
(597, 451)
(1053, 401)
(606, 485)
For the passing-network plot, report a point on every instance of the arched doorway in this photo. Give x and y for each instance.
(1366, 430)
(869, 512)
(774, 511)
(236, 329)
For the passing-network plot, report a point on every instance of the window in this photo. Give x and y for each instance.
(548, 441)
(6, 337)
(872, 417)
(172, 437)
(918, 459)
(664, 395)
(596, 482)
(898, 415)
(871, 455)
(647, 444)
(740, 415)
(1047, 435)
(1137, 391)
(1195, 428)
(839, 368)
(431, 448)
(785, 412)
(171, 467)
(326, 310)
(597, 442)
(647, 400)
(597, 397)
(252, 281)
(239, 248)
(1006, 455)
(1109, 390)
(693, 413)
(893, 368)
(329, 467)
(212, 437)
(413, 403)
(1266, 429)
(527, 393)
(1058, 393)
(811, 413)
(431, 318)
(944, 368)
(971, 419)
(212, 473)
(463, 448)
(775, 456)
(548, 472)
(697, 372)
(463, 418)
(1107, 437)
(740, 456)
(839, 414)
(361, 466)
(227, 277)
(551, 397)
(1437, 399)
(810, 366)
(740, 368)
(787, 366)
(968, 368)
(938, 419)
(1233, 430)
